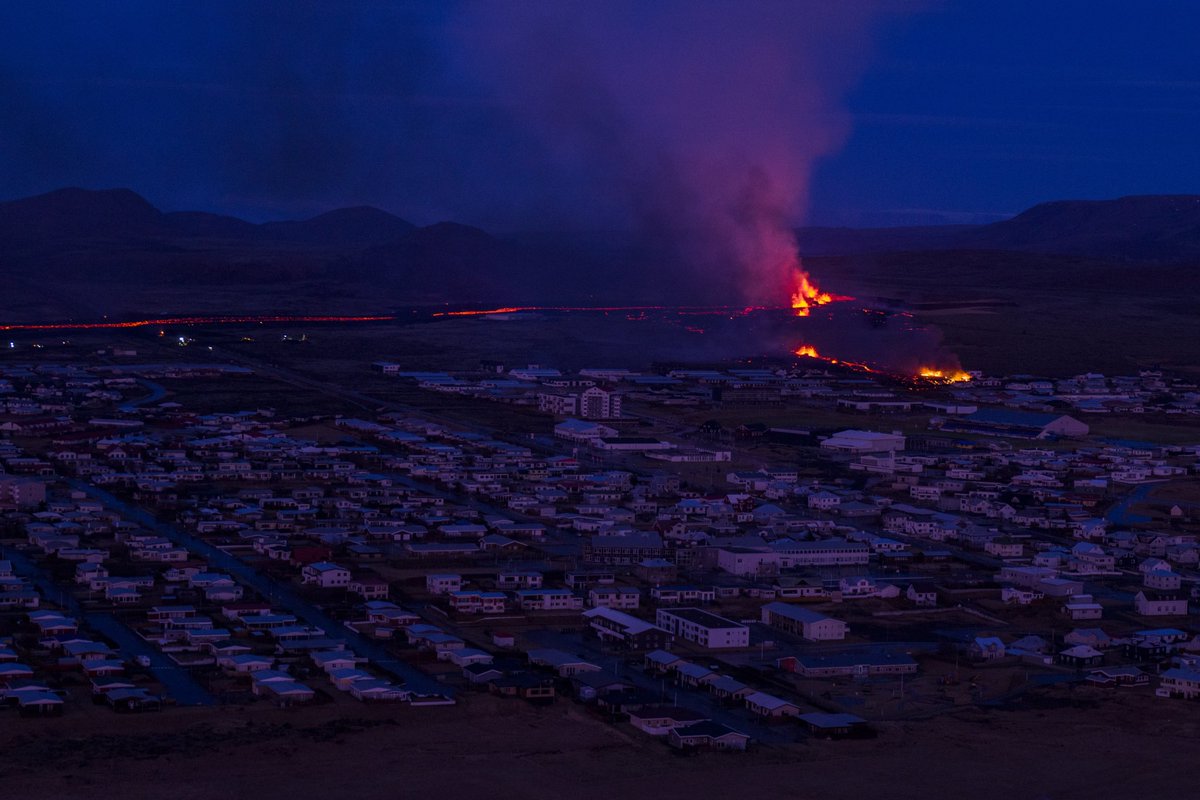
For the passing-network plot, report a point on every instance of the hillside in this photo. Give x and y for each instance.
(82, 253)
(1149, 229)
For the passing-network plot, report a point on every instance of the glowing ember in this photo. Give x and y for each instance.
(945, 375)
(808, 351)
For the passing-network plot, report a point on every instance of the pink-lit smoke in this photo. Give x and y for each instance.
(701, 120)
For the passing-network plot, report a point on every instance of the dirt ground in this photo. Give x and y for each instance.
(1128, 746)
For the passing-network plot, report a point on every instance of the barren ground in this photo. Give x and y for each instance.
(1128, 746)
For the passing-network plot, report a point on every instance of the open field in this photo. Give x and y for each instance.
(1058, 748)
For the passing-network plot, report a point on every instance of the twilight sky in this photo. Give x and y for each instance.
(546, 114)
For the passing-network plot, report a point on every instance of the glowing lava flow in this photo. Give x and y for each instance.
(806, 295)
(227, 320)
(930, 374)
(483, 312)
(944, 375)
(808, 351)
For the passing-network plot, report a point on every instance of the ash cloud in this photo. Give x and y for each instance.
(696, 122)
(699, 124)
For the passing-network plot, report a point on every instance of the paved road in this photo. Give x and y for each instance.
(1120, 514)
(276, 592)
(156, 392)
(178, 682)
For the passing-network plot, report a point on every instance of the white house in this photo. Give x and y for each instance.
(705, 629)
(325, 574)
(1150, 603)
(803, 622)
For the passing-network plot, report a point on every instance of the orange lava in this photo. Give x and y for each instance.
(808, 351)
(684, 310)
(226, 320)
(806, 295)
(943, 375)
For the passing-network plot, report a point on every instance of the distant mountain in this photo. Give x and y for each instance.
(1147, 229)
(82, 252)
(68, 214)
(361, 225)
(122, 215)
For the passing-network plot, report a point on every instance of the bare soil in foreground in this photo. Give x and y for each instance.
(1129, 746)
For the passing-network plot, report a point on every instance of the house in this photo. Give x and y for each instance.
(548, 600)
(630, 548)
(326, 575)
(466, 656)
(854, 662)
(534, 689)
(625, 597)
(245, 663)
(1082, 607)
(474, 601)
(1164, 580)
(626, 631)
(1180, 682)
(836, 726)
(565, 664)
(921, 597)
(132, 699)
(519, 579)
(480, 673)
(1152, 603)
(803, 622)
(1093, 637)
(1081, 655)
(707, 734)
(986, 648)
(660, 661)
(443, 583)
(729, 689)
(705, 629)
(592, 685)
(335, 659)
(369, 588)
(692, 675)
(658, 720)
(373, 690)
(1118, 676)
(766, 705)
(37, 703)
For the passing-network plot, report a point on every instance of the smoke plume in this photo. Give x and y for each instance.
(698, 122)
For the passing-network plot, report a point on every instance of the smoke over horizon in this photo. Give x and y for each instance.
(699, 124)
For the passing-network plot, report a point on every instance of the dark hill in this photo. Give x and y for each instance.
(361, 225)
(1147, 228)
(77, 214)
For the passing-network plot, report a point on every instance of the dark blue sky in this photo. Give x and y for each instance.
(960, 111)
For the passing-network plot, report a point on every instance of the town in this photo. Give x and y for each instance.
(717, 556)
